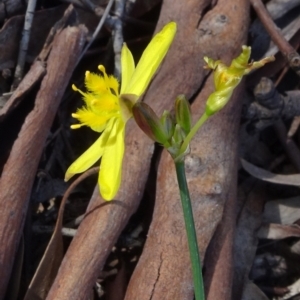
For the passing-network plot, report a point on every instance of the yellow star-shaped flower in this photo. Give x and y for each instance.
(107, 110)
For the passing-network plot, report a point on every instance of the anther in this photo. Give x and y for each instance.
(76, 126)
(101, 68)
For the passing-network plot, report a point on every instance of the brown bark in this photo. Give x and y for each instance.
(220, 34)
(164, 267)
(19, 172)
(34, 75)
(163, 271)
(249, 221)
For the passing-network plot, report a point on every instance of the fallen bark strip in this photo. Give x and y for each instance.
(164, 268)
(181, 72)
(19, 172)
(246, 240)
(164, 271)
(34, 75)
(221, 35)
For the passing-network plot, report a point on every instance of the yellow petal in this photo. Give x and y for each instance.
(113, 84)
(150, 60)
(111, 164)
(91, 155)
(127, 67)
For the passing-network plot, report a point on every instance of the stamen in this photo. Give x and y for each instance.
(102, 69)
(74, 88)
(77, 90)
(76, 126)
(75, 115)
(87, 73)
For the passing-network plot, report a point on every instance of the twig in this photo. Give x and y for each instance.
(267, 94)
(77, 3)
(36, 72)
(288, 144)
(24, 44)
(294, 126)
(285, 47)
(118, 35)
(65, 231)
(269, 105)
(97, 30)
(129, 6)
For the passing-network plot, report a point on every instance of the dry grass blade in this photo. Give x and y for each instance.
(278, 231)
(269, 176)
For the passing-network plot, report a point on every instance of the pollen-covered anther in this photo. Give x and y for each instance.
(76, 126)
(74, 88)
(102, 69)
(87, 73)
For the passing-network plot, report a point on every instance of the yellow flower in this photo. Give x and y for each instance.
(107, 110)
(227, 78)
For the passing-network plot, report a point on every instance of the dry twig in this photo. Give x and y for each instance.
(288, 51)
(24, 44)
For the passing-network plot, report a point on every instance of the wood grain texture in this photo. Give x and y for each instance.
(219, 34)
(19, 172)
(163, 270)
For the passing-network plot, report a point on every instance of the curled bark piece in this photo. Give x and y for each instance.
(51, 260)
(163, 270)
(19, 172)
(248, 222)
(35, 74)
(268, 109)
(219, 35)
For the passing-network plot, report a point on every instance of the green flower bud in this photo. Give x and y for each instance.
(227, 78)
(178, 135)
(167, 123)
(183, 113)
(149, 122)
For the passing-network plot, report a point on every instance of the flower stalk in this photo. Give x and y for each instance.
(190, 230)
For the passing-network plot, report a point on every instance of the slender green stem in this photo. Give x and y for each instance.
(193, 131)
(190, 230)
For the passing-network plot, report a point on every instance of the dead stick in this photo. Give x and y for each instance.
(19, 172)
(284, 46)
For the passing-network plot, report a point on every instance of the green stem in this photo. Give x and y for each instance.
(193, 131)
(190, 230)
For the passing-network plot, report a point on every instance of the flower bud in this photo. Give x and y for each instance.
(167, 123)
(227, 78)
(149, 122)
(178, 135)
(183, 113)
